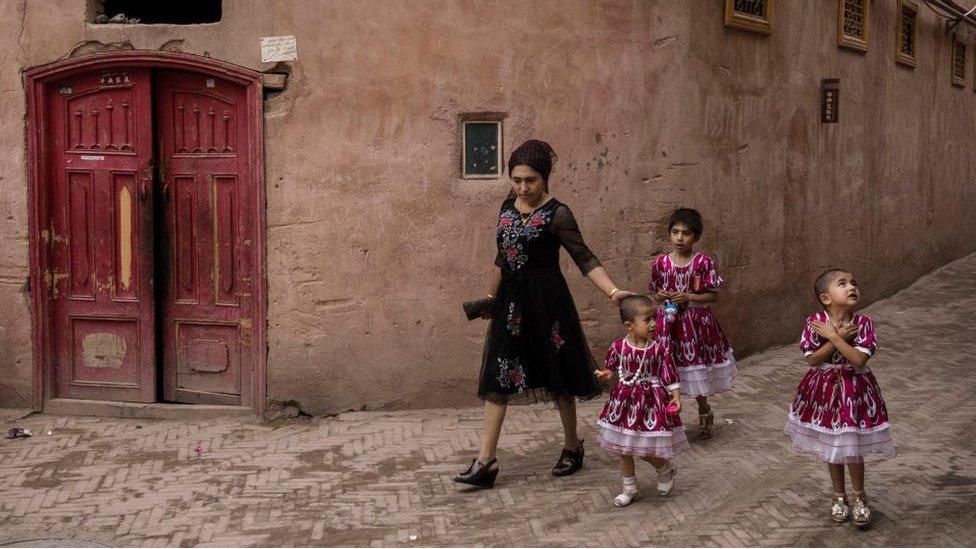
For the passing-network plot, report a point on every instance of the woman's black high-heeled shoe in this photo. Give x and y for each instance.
(569, 462)
(479, 474)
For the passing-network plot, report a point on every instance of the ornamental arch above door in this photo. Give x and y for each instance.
(147, 232)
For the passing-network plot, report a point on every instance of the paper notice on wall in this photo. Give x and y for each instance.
(278, 48)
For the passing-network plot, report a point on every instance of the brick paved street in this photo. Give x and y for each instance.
(376, 478)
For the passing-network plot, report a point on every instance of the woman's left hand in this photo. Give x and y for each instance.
(620, 295)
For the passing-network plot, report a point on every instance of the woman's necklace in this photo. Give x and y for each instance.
(525, 216)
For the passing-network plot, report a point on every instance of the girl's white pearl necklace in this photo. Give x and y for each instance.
(642, 363)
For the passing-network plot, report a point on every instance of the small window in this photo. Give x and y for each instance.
(170, 12)
(751, 15)
(482, 150)
(907, 32)
(958, 62)
(852, 23)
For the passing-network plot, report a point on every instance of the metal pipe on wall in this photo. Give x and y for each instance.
(958, 12)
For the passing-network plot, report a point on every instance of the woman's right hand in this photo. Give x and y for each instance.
(620, 295)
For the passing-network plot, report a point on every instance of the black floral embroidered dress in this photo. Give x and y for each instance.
(535, 344)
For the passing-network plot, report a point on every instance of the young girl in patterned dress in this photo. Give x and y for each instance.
(636, 420)
(690, 280)
(837, 412)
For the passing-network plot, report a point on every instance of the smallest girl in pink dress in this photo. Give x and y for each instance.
(837, 412)
(640, 418)
(690, 280)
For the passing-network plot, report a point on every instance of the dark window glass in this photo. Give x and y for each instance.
(959, 60)
(481, 148)
(751, 7)
(173, 12)
(854, 15)
(907, 37)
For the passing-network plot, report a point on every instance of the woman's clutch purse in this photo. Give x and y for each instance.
(477, 308)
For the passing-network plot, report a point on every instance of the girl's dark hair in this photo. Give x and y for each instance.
(688, 217)
(823, 281)
(631, 305)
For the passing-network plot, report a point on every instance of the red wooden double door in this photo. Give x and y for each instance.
(151, 236)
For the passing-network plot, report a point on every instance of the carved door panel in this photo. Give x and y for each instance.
(204, 154)
(101, 236)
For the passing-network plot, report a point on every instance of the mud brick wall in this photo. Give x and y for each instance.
(374, 239)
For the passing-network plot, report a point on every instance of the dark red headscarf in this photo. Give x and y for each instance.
(535, 154)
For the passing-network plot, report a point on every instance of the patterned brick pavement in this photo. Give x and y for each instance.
(373, 478)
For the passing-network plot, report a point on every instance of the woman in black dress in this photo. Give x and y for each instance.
(535, 344)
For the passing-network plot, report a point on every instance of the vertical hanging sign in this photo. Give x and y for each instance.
(829, 100)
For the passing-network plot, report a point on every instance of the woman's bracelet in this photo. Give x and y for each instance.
(613, 292)
(491, 296)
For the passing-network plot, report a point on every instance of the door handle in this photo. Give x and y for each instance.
(163, 169)
(161, 175)
(147, 177)
(143, 190)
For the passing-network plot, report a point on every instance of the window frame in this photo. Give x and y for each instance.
(743, 21)
(900, 56)
(844, 40)
(498, 149)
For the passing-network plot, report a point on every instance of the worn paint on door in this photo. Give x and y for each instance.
(100, 147)
(206, 209)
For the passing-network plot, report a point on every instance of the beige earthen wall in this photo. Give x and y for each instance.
(374, 240)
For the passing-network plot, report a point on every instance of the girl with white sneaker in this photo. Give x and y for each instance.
(641, 417)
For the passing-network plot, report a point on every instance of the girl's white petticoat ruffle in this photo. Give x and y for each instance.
(842, 445)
